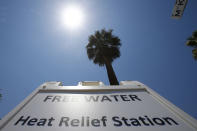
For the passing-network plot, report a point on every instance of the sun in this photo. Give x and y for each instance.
(72, 17)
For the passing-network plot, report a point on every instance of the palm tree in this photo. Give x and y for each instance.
(192, 41)
(103, 48)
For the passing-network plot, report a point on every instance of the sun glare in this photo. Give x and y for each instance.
(72, 16)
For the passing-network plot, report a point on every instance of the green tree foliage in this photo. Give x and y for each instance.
(103, 49)
(192, 42)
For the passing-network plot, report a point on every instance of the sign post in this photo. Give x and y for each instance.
(130, 106)
(179, 8)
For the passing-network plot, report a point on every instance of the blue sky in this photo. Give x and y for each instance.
(35, 48)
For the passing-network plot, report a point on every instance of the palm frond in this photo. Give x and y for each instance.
(194, 34)
(194, 53)
(191, 43)
(103, 43)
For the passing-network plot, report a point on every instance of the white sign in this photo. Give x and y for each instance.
(101, 111)
(179, 8)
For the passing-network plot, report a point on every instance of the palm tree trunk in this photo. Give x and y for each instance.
(110, 72)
